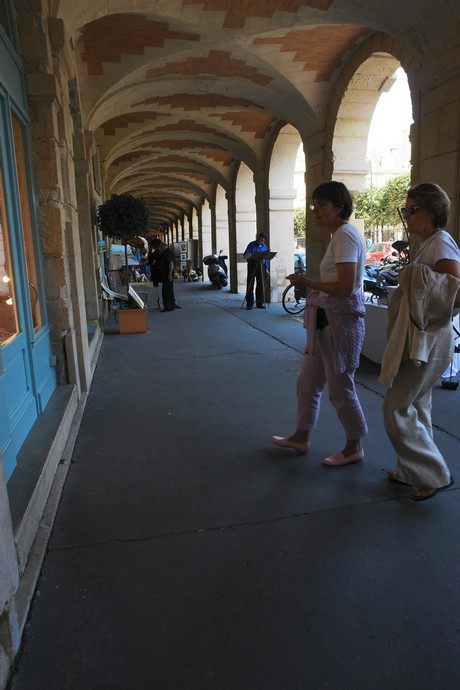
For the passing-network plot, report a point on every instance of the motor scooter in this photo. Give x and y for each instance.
(217, 269)
(378, 277)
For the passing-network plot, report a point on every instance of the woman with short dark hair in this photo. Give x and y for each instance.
(334, 319)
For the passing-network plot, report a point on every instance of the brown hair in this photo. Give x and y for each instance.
(433, 199)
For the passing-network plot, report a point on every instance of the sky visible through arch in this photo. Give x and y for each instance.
(389, 131)
(388, 151)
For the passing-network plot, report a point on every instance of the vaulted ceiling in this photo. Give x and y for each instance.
(178, 92)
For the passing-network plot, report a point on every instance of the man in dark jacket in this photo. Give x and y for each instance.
(166, 268)
(257, 272)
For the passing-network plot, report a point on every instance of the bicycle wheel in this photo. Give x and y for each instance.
(293, 300)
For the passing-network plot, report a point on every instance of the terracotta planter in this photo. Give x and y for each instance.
(132, 321)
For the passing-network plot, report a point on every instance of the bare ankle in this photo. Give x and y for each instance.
(299, 436)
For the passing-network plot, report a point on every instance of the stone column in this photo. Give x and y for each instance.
(232, 263)
(435, 134)
(245, 219)
(221, 241)
(319, 169)
(206, 231)
(199, 218)
(262, 210)
(282, 228)
(47, 60)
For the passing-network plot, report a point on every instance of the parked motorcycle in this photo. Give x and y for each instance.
(378, 277)
(217, 269)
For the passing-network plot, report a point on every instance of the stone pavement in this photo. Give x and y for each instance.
(190, 553)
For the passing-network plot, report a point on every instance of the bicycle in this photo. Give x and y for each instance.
(294, 298)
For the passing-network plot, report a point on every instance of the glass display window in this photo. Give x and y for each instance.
(27, 235)
(8, 305)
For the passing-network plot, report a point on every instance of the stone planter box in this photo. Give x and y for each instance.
(132, 321)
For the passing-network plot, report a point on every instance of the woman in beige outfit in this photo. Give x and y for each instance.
(427, 343)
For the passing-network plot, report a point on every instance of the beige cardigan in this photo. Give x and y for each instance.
(420, 307)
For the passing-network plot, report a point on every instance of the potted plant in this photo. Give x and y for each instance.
(125, 218)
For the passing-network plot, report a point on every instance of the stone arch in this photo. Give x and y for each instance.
(364, 79)
(371, 79)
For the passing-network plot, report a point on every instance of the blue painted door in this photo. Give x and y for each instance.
(27, 378)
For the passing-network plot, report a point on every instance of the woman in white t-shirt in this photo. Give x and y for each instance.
(334, 320)
(407, 404)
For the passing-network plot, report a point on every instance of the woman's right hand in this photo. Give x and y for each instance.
(295, 278)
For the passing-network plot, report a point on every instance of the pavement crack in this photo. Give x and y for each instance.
(220, 528)
(262, 330)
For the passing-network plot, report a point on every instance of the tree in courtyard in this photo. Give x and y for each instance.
(300, 222)
(378, 206)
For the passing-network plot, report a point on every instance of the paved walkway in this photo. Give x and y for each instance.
(189, 553)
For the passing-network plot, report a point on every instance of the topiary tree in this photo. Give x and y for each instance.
(123, 217)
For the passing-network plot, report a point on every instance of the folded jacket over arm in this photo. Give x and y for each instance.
(419, 308)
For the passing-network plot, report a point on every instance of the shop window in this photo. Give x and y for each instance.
(5, 19)
(30, 254)
(8, 305)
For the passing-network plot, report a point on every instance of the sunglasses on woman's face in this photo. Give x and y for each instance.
(410, 210)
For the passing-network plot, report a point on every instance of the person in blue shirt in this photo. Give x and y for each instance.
(257, 273)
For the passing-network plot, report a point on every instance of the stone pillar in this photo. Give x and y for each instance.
(281, 228)
(194, 230)
(319, 169)
(245, 219)
(84, 182)
(187, 227)
(214, 222)
(199, 219)
(221, 241)
(435, 134)
(47, 77)
(232, 263)
(262, 211)
(206, 231)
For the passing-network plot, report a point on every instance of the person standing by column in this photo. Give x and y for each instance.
(166, 265)
(334, 320)
(155, 273)
(257, 273)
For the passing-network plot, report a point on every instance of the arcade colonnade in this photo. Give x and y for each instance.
(200, 108)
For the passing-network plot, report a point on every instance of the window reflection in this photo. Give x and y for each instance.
(4, 19)
(32, 273)
(8, 314)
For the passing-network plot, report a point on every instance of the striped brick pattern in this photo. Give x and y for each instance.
(184, 93)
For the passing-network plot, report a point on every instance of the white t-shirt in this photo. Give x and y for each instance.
(346, 246)
(439, 246)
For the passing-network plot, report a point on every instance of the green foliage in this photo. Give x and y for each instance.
(394, 196)
(378, 206)
(300, 222)
(123, 216)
